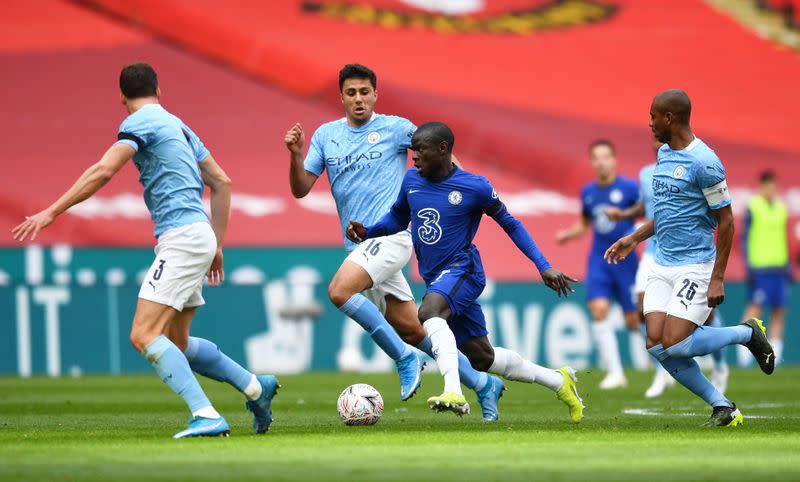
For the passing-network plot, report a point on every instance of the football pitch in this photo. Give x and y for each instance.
(119, 428)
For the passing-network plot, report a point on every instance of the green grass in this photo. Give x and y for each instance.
(104, 428)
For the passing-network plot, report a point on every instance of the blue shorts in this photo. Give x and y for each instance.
(612, 281)
(768, 289)
(461, 290)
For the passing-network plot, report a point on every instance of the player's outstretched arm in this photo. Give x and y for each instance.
(716, 288)
(626, 244)
(220, 184)
(616, 214)
(575, 231)
(87, 184)
(300, 180)
(558, 282)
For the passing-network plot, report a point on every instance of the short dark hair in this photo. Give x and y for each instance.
(766, 176)
(138, 80)
(602, 142)
(438, 131)
(357, 71)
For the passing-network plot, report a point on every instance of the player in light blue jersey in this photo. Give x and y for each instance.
(691, 200)
(174, 165)
(365, 155)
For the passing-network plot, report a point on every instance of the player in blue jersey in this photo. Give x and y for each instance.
(644, 208)
(604, 284)
(174, 165)
(691, 200)
(365, 155)
(444, 205)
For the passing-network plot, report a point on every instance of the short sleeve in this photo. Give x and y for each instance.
(198, 148)
(404, 130)
(134, 133)
(487, 196)
(315, 159)
(710, 178)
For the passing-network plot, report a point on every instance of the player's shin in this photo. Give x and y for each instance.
(208, 360)
(706, 339)
(366, 314)
(510, 365)
(470, 377)
(688, 374)
(607, 346)
(173, 368)
(445, 351)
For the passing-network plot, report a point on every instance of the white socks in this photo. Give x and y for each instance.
(607, 346)
(253, 389)
(206, 412)
(510, 364)
(777, 346)
(445, 351)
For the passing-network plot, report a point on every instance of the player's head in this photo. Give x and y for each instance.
(137, 81)
(432, 146)
(669, 113)
(604, 159)
(767, 184)
(358, 86)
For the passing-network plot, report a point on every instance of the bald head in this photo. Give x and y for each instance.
(435, 132)
(676, 102)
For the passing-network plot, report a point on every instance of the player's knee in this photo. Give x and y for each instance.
(339, 294)
(426, 312)
(482, 361)
(139, 340)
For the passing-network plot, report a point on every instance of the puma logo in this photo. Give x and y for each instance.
(769, 355)
(685, 304)
(337, 144)
(151, 284)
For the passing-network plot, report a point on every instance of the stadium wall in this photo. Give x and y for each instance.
(67, 311)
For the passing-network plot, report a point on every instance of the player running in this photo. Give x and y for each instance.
(173, 164)
(662, 380)
(365, 154)
(444, 205)
(604, 284)
(687, 280)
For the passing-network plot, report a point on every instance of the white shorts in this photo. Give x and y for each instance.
(384, 259)
(183, 257)
(646, 264)
(679, 291)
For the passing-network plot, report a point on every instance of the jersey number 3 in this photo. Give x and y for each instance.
(430, 232)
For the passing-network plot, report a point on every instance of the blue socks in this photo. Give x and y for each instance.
(366, 314)
(206, 359)
(470, 377)
(688, 373)
(173, 368)
(706, 339)
(719, 355)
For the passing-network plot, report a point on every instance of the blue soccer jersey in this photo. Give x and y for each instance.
(687, 185)
(365, 165)
(167, 157)
(646, 188)
(622, 193)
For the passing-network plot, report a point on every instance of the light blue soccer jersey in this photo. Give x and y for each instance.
(687, 185)
(365, 165)
(646, 188)
(167, 157)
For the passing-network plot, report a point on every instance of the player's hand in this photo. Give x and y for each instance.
(620, 250)
(562, 236)
(558, 282)
(614, 213)
(716, 293)
(32, 225)
(216, 273)
(356, 231)
(295, 139)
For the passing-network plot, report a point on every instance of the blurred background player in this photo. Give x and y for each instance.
(691, 201)
(661, 380)
(766, 253)
(366, 154)
(444, 205)
(174, 165)
(604, 284)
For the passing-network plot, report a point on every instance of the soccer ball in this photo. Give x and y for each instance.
(360, 404)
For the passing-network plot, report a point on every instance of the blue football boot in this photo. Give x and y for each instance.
(410, 369)
(261, 407)
(489, 396)
(205, 427)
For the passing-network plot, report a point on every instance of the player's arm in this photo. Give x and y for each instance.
(632, 212)
(554, 279)
(300, 180)
(575, 231)
(725, 231)
(87, 184)
(220, 185)
(626, 244)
